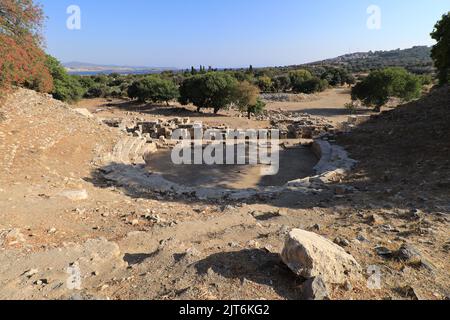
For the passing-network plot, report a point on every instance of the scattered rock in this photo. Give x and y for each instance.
(342, 242)
(30, 273)
(228, 208)
(315, 289)
(253, 244)
(268, 248)
(14, 236)
(234, 244)
(409, 292)
(84, 112)
(362, 238)
(415, 214)
(384, 252)
(310, 255)
(41, 282)
(375, 219)
(409, 254)
(263, 216)
(348, 286)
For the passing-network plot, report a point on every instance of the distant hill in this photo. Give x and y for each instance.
(83, 68)
(416, 59)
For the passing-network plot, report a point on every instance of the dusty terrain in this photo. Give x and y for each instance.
(329, 104)
(67, 233)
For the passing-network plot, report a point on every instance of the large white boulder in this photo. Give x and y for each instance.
(310, 255)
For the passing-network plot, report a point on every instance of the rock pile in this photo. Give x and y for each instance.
(294, 125)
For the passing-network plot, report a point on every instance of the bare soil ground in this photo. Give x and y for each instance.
(329, 104)
(126, 245)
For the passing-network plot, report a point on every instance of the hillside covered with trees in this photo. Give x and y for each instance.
(416, 59)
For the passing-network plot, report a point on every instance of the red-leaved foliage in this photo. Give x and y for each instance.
(22, 60)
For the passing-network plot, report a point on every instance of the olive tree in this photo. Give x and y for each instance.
(212, 90)
(381, 85)
(154, 89)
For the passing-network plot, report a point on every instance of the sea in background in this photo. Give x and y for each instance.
(106, 72)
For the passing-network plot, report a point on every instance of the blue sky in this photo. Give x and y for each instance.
(233, 33)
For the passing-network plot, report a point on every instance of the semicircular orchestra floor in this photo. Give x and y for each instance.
(294, 163)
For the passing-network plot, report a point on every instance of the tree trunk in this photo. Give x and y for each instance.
(249, 115)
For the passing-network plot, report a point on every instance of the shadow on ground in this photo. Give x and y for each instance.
(254, 265)
(160, 110)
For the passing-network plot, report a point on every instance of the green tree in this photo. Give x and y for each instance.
(65, 87)
(337, 76)
(441, 51)
(313, 85)
(211, 90)
(376, 90)
(282, 83)
(256, 108)
(265, 84)
(154, 89)
(298, 79)
(247, 98)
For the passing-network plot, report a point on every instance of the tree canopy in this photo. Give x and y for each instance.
(303, 81)
(154, 89)
(65, 87)
(22, 60)
(246, 97)
(381, 85)
(441, 51)
(211, 90)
